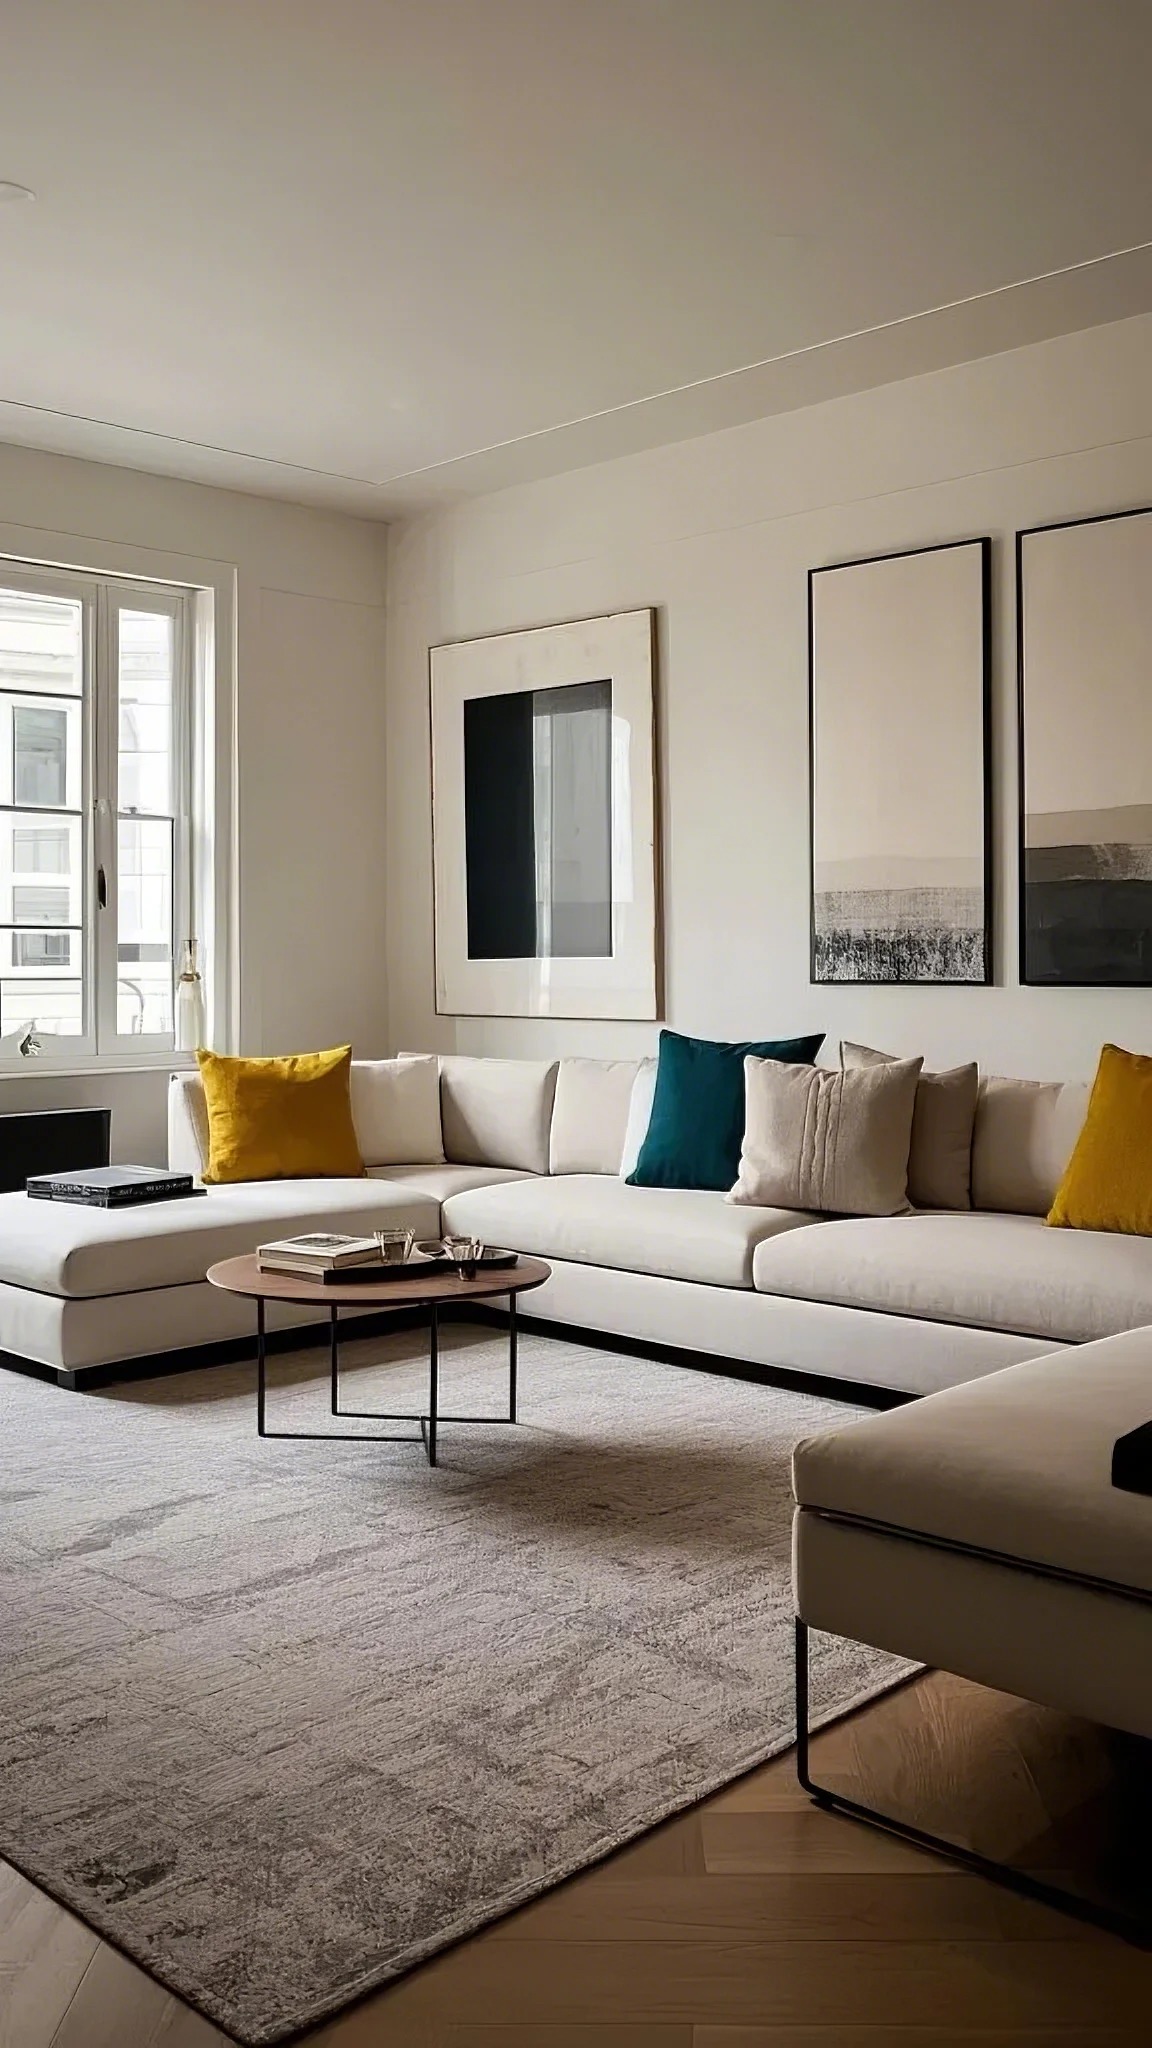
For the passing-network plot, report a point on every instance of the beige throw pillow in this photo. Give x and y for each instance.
(816, 1138)
(940, 1161)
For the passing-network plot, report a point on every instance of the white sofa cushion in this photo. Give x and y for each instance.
(188, 1142)
(1017, 1464)
(679, 1233)
(1022, 1141)
(396, 1110)
(442, 1181)
(497, 1112)
(590, 1115)
(991, 1272)
(66, 1248)
(639, 1117)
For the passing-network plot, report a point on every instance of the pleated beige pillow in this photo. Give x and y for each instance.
(940, 1159)
(818, 1138)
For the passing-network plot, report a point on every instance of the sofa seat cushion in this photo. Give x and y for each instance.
(989, 1272)
(597, 1220)
(1017, 1465)
(64, 1248)
(441, 1181)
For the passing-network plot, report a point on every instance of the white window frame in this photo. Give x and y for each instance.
(103, 595)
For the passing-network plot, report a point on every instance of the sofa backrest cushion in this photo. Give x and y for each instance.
(639, 1117)
(940, 1161)
(497, 1112)
(187, 1125)
(1023, 1140)
(396, 1110)
(590, 1115)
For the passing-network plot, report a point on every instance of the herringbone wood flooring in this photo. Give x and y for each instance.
(754, 1921)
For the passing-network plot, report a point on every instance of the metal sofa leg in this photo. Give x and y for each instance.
(1115, 1921)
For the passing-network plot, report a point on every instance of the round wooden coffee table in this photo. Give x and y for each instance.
(433, 1291)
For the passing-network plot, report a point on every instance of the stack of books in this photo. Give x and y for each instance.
(319, 1255)
(112, 1187)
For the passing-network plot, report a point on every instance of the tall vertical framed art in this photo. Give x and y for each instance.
(899, 681)
(544, 822)
(1084, 642)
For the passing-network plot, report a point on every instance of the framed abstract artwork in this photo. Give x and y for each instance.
(1084, 631)
(899, 679)
(544, 822)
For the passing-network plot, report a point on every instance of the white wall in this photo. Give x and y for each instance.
(719, 533)
(310, 739)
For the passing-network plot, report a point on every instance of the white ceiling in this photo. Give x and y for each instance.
(373, 253)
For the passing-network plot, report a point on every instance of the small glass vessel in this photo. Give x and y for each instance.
(464, 1252)
(395, 1245)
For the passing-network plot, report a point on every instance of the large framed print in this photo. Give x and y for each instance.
(899, 680)
(544, 822)
(1084, 624)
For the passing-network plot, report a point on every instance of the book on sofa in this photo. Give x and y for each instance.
(111, 1187)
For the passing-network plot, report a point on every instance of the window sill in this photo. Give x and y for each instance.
(43, 1068)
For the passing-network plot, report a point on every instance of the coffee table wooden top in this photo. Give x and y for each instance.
(244, 1276)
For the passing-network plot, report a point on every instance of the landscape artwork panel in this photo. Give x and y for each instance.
(899, 685)
(1085, 598)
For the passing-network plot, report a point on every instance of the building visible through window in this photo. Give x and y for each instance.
(40, 744)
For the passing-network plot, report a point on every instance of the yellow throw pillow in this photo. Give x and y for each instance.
(1107, 1183)
(280, 1119)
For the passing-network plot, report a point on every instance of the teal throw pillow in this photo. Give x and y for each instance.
(697, 1123)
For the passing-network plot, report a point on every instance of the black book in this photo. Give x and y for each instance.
(1132, 1460)
(111, 1187)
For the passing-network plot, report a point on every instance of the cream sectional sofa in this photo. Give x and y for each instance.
(532, 1159)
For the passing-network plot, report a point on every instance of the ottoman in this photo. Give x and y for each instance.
(978, 1531)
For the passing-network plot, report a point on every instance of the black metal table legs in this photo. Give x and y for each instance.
(428, 1424)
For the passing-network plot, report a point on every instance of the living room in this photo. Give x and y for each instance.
(780, 370)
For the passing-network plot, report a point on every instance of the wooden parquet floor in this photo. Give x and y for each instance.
(754, 1921)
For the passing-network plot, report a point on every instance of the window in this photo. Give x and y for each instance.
(32, 905)
(96, 690)
(41, 949)
(40, 745)
(42, 850)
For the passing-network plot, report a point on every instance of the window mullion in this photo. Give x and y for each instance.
(103, 814)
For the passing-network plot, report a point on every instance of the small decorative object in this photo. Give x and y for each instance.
(544, 822)
(466, 1253)
(395, 1245)
(899, 674)
(1084, 621)
(191, 1028)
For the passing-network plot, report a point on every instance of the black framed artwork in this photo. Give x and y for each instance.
(1084, 656)
(899, 680)
(544, 821)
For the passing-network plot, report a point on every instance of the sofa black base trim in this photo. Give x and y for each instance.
(195, 1357)
(234, 1350)
(1112, 1919)
(858, 1392)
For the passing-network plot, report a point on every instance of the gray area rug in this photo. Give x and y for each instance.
(282, 1719)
